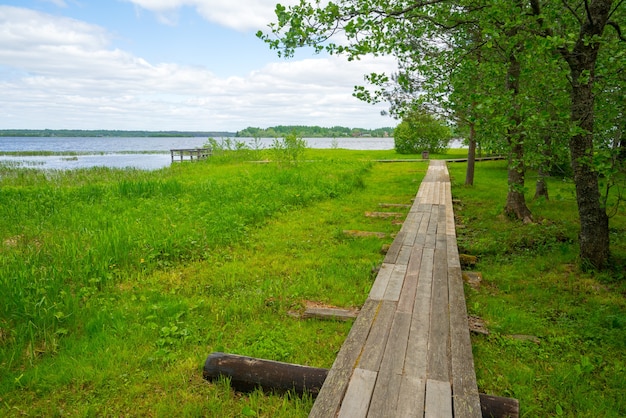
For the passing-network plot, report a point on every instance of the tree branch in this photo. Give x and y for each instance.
(589, 16)
(615, 9)
(580, 21)
(617, 29)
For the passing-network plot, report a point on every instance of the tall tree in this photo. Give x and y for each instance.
(416, 32)
(579, 40)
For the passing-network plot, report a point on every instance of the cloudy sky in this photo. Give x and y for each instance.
(167, 65)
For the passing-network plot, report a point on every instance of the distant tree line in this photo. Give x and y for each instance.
(281, 131)
(108, 133)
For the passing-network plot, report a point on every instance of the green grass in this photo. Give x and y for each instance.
(115, 285)
(575, 364)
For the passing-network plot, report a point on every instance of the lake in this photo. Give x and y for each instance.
(141, 153)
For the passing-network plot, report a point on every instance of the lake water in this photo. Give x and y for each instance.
(141, 153)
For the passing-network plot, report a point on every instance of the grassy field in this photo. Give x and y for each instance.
(557, 337)
(115, 285)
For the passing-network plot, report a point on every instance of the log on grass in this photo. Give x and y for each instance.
(247, 374)
(498, 407)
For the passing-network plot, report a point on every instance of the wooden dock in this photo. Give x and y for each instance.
(190, 154)
(409, 353)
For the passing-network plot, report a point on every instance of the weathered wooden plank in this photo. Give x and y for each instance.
(394, 249)
(441, 228)
(333, 390)
(411, 397)
(407, 296)
(382, 279)
(373, 350)
(395, 284)
(410, 226)
(438, 341)
(438, 403)
(385, 395)
(358, 395)
(431, 232)
(338, 314)
(450, 225)
(420, 238)
(384, 214)
(357, 233)
(424, 207)
(406, 236)
(465, 390)
(436, 191)
(404, 255)
(394, 205)
(453, 253)
(431, 197)
(416, 362)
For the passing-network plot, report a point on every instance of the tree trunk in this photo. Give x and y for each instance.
(541, 187)
(515, 200)
(594, 222)
(543, 171)
(471, 156)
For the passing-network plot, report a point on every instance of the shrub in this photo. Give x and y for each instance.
(421, 131)
(290, 149)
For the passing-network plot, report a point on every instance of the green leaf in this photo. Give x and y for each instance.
(248, 412)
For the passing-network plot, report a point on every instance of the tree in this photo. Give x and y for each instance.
(580, 51)
(432, 38)
(420, 131)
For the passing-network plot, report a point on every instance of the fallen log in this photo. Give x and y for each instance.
(498, 407)
(247, 374)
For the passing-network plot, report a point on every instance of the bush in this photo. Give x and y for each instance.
(420, 131)
(290, 149)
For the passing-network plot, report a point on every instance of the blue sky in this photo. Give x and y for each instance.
(167, 65)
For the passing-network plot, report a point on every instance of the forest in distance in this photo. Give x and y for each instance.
(314, 132)
(249, 132)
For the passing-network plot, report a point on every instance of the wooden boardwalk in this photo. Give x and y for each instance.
(409, 353)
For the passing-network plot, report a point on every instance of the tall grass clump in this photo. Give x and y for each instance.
(290, 149)
(63, 240)
(233, 149)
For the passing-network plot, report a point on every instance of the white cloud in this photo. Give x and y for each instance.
(241, 15)
(58, 72)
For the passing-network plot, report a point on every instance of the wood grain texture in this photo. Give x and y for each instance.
(385, 395)
(438, 402)
(358, 396)
(331, 395)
